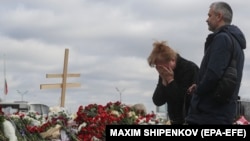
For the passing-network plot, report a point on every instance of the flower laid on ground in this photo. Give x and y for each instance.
(2, 133)
(26, 125)
(87, 124)
(93, 119)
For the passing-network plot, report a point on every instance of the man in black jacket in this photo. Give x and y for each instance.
(204, 108)
(176, 75)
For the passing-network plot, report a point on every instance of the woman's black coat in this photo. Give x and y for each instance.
(175, 93)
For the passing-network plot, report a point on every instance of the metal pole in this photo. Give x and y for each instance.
(22, 93)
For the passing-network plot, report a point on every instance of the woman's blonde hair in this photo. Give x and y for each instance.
(161, 52)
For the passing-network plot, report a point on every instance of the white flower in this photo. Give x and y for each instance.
(150, 122)
(35, 123)
(116, 113)
(131, 113)
(14, 116)
(84, 124)
(95, 139)
(141, 121)
(72, 116)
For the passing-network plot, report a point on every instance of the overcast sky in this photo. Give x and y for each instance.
(108, 41)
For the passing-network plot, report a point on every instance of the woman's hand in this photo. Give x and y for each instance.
(166, 73)
(191, 89)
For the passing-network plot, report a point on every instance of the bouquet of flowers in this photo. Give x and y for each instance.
(93, 118)
(87, 124)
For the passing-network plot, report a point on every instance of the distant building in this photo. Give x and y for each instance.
(23, 106)
(243, 108)
(162, 111)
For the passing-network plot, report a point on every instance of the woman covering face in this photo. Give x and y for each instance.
(175, 74)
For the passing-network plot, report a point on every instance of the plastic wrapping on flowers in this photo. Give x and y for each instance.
(87, 124)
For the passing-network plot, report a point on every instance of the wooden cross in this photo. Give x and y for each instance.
(64, 76)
